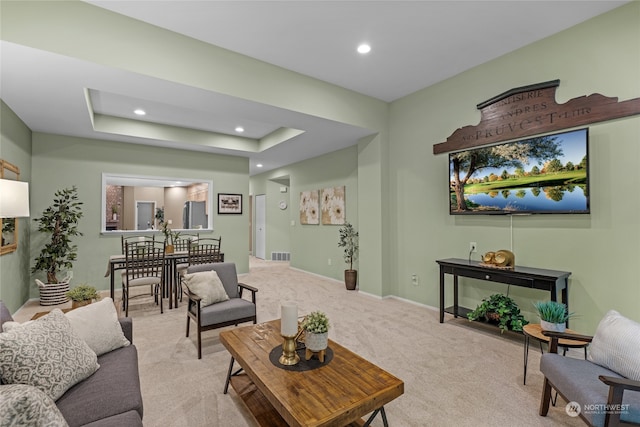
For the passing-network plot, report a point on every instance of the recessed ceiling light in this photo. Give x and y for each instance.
(364, 48)
(239, 129)
(259, 165)
(140, 112)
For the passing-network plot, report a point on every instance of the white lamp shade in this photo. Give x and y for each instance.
(14, 199)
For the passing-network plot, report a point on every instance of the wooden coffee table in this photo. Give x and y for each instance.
(338, 393)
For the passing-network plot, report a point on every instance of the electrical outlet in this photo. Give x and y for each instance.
(329, 261)
(414, 279)
(473, 247)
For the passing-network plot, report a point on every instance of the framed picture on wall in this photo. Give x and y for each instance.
(229, 203)
(309, 208)
(332, 205)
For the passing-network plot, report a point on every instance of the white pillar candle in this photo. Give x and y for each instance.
(288, 319)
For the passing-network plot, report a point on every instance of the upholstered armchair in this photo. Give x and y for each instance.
(215, 300)
(603, 390)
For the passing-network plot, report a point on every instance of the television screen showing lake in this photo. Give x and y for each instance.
(548, 199)
(545, 174)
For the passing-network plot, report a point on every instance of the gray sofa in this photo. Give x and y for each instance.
(109, 397)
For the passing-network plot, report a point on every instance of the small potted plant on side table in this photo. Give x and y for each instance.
(553, 315)
(316, 334)
(82, 295)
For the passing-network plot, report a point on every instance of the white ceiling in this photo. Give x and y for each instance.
(414, 44)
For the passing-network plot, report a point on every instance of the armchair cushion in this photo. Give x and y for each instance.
(226, 272)
(615, 345)
(206, 285)
(227, 311)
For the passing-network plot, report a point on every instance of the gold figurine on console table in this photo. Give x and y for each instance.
(501, 259)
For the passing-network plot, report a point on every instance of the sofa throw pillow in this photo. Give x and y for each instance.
(97, 324)
(7, 326)
(207, 285)
(28, 406)
(46, 354)
(615, 345)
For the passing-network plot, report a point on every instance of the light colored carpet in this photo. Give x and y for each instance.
(456, 373)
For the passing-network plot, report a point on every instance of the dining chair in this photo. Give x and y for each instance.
(144, 266)
(205, 251)
(136, 238)
(182, 245)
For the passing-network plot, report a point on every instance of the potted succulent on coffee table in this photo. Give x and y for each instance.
(500, 309)
(553, 315)
(316, 333)
(82, 295)
(60, 221)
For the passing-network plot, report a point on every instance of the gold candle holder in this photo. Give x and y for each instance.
(289, 356)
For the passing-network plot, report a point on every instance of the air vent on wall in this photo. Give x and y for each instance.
(280, 256)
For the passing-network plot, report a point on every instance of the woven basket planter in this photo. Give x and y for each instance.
(53, 293)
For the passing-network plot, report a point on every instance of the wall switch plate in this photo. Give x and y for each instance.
(329, 261)
(414, 279)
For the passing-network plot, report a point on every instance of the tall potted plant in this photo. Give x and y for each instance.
(349, 241)
(60, 221)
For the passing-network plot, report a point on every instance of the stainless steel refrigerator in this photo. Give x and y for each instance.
(194, 215)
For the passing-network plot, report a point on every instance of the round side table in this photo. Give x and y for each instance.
(534, 330)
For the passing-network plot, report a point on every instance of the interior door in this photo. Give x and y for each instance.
(261, 226)
(144, 215)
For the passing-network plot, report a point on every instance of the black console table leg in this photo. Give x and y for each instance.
(441, 295)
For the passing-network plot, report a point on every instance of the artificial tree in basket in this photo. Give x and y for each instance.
(60, 221)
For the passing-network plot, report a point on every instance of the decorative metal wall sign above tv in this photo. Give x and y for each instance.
(544, 174)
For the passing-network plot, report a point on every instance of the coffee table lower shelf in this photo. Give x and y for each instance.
(263, 412)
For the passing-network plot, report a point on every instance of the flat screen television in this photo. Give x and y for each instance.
(546, 174)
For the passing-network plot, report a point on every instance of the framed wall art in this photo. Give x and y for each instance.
(333, 205)
(229, 203)
(309, 207)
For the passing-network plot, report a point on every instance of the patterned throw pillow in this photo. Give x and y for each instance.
(27, 406)
(46, 354)
(207, 285)
(615, 345)
(97, 324)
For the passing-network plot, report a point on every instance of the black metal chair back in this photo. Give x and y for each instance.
(205, 251)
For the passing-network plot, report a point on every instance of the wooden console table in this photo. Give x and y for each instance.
(555, 282)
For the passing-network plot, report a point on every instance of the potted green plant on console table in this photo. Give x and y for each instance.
(500, 309)
(553, 315)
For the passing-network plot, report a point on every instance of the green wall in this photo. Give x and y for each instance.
(62, 161)
(15, 147)
(599, 56)
(311, 246)
(396, 188)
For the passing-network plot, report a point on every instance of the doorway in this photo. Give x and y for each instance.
(145, 215)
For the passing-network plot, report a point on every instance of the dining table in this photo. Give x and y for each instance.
(170, 288)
